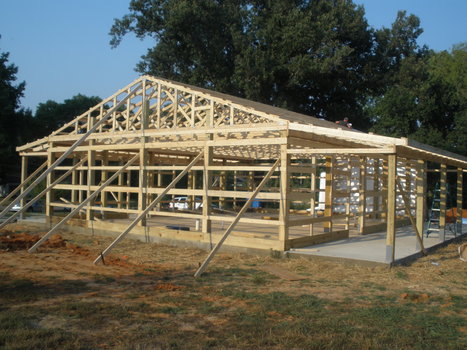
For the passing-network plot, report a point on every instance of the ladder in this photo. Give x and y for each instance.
(435, 211)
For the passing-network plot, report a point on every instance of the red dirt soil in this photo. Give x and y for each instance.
(10, 241)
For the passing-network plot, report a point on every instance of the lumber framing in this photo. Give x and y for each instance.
(227, 232)
(146, 210)
(25, 206)
(80, 206)
(156, 142)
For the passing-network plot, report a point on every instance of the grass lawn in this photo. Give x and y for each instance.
(146, 298)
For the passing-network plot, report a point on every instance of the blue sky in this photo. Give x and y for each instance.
(62, 46)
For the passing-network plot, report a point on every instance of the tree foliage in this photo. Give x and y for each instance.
(50, 115)
(13, 119)
(426, 101)
(308, 56)
(316, 57)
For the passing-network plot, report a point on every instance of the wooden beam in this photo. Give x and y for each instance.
(23, 183)
(409, 214)
(420, 184)
(204, 265)
(443, 199)
(69, 151)
(313, 191)
(284, 196)
(148, 209)
(36, 198)
(24, 175)
(362, 195)
(78, 208)
(391, 209)
(91, 180)
(328, 195)
(49, 197)
(339, 151)
(460, 184)
(207, 184)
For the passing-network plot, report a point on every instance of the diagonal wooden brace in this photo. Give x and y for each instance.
(36, 198)
(409, 214)
(148, 209)
(237, 219)
(4, 200)
(69, 151)
(85, 202)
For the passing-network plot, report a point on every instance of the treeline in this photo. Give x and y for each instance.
(319, 58)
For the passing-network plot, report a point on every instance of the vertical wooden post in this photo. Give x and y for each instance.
(191, 199)
(443, 198)
(143, 160)
(383, 175)
(91, 181)
(49, 197)
(460, 183)
(250, 181)
(408, 178)
(234, 204)
(328, 196)
(362, 195)
(24, 176)
(104, 173)
(91, 173)
(313, 192)
(74, 182)
(159, 185)
(391, 209)
(193, 187)
(150, 175)
(81, 183)
(128, 184)
(207, 184)
(348, 189)
(222, 184)
(143, 183)
(284, 195)
(120, 194)
(378, 197)
(175, 110)
(420, 199)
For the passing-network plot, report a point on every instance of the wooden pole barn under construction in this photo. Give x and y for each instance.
(178, 163)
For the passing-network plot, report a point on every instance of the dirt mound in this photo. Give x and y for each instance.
(19, 241)
(76, 249)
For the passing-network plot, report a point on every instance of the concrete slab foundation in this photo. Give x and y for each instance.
(372, 247)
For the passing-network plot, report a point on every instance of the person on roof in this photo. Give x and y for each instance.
(344, 122)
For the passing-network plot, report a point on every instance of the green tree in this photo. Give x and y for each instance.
(314, 57)
(51, 115)
(15, 122)
(426, 100)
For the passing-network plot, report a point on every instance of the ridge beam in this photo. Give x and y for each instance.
(339, 151)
